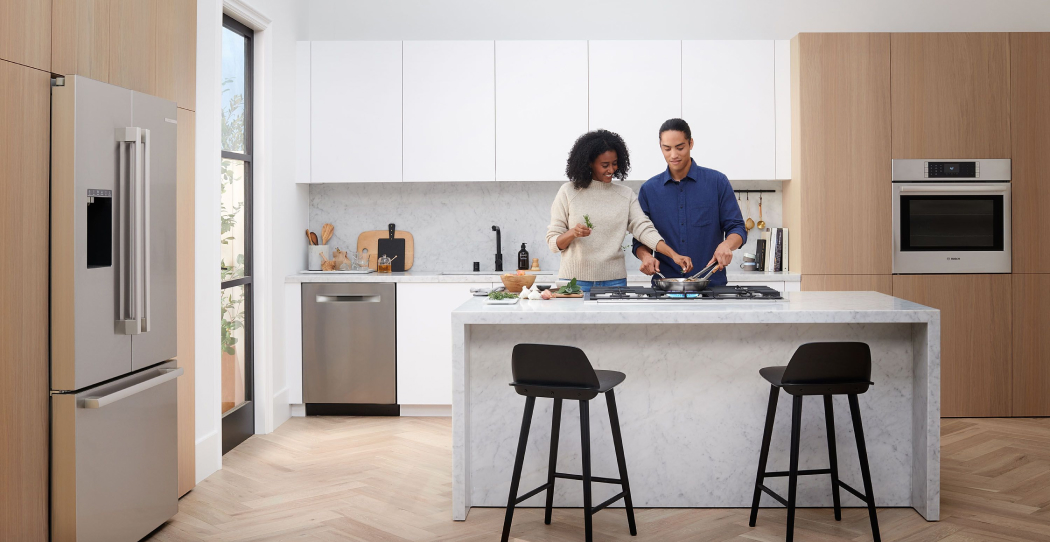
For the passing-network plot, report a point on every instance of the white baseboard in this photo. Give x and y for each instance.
(208, 450)
(281, 409)
(426, 410)
(297, 411)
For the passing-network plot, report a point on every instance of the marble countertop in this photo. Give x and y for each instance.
(796, 307)
(439, 276)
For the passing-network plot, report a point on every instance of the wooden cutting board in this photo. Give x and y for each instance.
(370, 240)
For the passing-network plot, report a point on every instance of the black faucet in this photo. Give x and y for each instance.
(499, 250)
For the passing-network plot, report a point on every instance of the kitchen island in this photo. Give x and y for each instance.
(693, 405)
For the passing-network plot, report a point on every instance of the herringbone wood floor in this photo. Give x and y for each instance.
(389, 479)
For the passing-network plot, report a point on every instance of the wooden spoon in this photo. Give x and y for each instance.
(761, 223)
(326, 233)
(313, 238)
(308, 238)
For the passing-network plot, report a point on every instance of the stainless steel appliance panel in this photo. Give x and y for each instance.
(156, 341)
(349, 343)
(99, 353)
(985, 170)
(115, 449)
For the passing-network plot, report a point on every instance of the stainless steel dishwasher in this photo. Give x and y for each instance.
(349, 349)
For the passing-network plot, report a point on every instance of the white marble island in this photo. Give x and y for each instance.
(693, 405)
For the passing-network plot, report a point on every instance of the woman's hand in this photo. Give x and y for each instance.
(650, 265)
(685, 262)
(580, 230)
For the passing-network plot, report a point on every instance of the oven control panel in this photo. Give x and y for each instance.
(953, 169)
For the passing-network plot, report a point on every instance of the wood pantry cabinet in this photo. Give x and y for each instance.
(848, 283)
(1030, 139)
(951, 95)
(1031, 357)
(976, 339)
(838, 197)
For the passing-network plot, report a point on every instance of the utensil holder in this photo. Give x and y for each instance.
(313, 256)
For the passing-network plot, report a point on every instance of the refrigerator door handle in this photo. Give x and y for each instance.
(146, 222)
(166, 375)
(130, 216)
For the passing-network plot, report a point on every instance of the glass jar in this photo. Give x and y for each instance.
(384, 265)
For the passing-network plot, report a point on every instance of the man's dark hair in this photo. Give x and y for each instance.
(677, 125)
(587, 149)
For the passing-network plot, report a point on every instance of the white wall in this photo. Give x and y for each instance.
(660, 19)
(281, 209)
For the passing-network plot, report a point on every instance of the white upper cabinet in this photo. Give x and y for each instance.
(782, 90)
(355, 111)
(728, 101)
(302, 112)
(541, 107)
(449, 111)
(634, 87)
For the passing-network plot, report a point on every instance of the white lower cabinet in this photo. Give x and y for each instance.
(424, 340)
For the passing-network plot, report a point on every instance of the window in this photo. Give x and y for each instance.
(238, 411)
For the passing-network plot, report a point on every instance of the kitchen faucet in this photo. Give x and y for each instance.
(499, 250)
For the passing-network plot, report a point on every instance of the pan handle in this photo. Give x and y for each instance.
(712, 266)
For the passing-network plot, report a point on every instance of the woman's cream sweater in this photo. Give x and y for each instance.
(614, 210)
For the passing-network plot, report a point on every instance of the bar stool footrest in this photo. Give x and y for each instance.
(615, 498)
(531, 493)
(773, 494)
(799, 473)
(859, 495)
(598, 479)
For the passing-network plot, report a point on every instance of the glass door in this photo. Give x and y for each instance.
(238, 410)
(951, 222)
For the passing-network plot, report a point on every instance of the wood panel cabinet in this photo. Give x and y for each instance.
(128, 43)
(184, 196)
(729, 84)
(449, 111)
(976, 339)
(25, 32)
(1031, 357)
(355, 112)
(951, 95)
(541, 107)
(186, 54)
(1030, 139)
(634, 87)
(25, 127)
(848, 283)
(838, 198)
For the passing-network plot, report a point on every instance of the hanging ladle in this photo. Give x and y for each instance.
(761, 223)
(748, 224)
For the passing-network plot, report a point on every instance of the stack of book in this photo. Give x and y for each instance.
(772, 250)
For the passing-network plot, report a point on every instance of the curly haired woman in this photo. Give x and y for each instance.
(590, 215)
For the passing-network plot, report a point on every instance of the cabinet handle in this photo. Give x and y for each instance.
(348, 299)
(955, 189)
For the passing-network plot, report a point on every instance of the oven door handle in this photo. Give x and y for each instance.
(955, 189)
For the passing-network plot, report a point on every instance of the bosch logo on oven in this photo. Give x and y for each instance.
(951, 259)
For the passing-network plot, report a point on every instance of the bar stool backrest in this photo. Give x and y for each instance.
(829, 363)
(549, 365)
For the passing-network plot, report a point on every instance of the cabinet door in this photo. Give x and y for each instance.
(727, 97)
(449, 111)
(25, 34)
(1031, 370)
(951, 93)
(355, 111)
(424, 340)
(1030, 127)
(782, 106)
(541, 107)
(184, 202)
(634, 87)
(976, 339)
(848, 283)
(841, 201)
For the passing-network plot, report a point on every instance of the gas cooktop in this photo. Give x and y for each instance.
(712, 293)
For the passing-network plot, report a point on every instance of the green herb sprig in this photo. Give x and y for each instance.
(570, 289)
(587, 220)
(502, 295)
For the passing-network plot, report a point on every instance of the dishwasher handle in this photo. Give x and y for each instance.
(166, 375)
(348, 298)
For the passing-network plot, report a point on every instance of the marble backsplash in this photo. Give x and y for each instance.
(452, 222)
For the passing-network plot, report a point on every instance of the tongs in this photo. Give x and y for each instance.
(713, 266)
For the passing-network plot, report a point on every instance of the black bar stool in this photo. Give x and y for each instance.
(563, 372)
(837, 368)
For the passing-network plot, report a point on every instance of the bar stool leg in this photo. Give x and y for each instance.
(553, 464)
(862, 452)
(515, 479)
(771, 412)
(829, 420)
(796, 428)
(585, 451)
(621, 462)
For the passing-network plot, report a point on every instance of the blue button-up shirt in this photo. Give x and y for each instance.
(693, 216)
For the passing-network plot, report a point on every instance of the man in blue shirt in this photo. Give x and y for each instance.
(694, 209)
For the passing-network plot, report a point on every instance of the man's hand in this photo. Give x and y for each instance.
(685, 262)
(723, 255)
(650, 265)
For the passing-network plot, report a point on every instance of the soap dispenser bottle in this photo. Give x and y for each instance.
(523, 258)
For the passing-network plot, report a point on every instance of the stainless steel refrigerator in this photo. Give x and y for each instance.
(114, 465)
